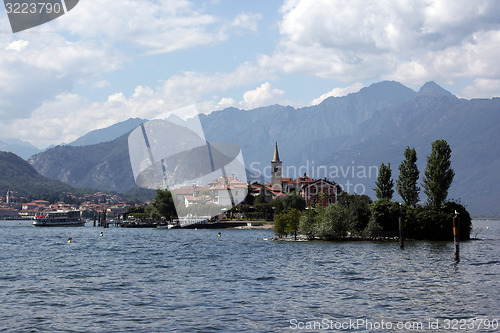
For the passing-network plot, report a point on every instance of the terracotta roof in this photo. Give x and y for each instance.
(184, 190)
(302, 180)
(191, 198)
(222, 187)
(322, 180)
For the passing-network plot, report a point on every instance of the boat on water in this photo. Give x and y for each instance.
(60, 218)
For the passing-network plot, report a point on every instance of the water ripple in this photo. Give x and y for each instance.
(146, 280)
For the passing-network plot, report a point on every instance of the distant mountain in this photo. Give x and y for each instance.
(18, 147)
(105, 166)
(348, 137)
(107, 134)
(19, 176)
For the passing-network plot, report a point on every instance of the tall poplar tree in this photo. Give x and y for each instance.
(385, 184)
(406, 184)
(438, 173)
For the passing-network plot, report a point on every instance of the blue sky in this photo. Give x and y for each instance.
(106, 60)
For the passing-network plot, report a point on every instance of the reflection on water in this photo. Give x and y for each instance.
(165, 280)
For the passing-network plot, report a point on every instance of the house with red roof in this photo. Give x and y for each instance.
(314, 191)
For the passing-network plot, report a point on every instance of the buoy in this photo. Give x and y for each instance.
(219, 234)
(70, 239)
(101, 234)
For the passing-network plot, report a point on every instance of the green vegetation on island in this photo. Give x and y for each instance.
(356, 216)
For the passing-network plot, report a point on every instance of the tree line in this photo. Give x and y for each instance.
(356, 216)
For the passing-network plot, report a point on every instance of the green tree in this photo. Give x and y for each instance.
(308, 224)
(438, 173)
(333, 222)
(293, 220)
(164, 204)
(406, 185)
(280, 222)
(358, 209)
(291, 201)
(384, 183)
(385, 213)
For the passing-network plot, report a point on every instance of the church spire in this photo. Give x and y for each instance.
(276, 157)
(276, 180)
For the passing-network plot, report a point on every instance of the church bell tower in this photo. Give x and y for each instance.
(276, 172)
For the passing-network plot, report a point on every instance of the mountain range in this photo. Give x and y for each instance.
(20, 177)
(343, 138)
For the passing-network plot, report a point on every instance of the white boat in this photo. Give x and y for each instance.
(60, 218)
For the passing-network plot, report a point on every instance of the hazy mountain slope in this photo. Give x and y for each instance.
(256, 130)
(18, 147)
(104, 166)
(108, 134)
(471, 128)
(18, 175)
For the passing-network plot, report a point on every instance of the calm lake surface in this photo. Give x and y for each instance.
(157, 280)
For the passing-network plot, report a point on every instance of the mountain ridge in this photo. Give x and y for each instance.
(359, 129)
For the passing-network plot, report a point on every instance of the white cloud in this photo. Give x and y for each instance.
(226, 102)
(153, 26)
(482, 88)
(262, 96)
(69, 116)
(403, 40)
(118, 97)
(247, 21)
(36, 70)
(39, 71)
(17, 45)
(473, 58)
(338, 92)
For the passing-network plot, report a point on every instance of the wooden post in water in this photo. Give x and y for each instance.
(401, 234)
(94, 220)
(456, 235)
(104, 219)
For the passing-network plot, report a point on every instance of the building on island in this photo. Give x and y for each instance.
(314, 191)
(217, 192)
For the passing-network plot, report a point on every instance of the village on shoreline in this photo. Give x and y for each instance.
(312, 208)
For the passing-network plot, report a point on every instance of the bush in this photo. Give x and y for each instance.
(308, 224)
(287, 223)
(385, 213)
(280, 222)
(332, 222)
(436, 223)
(373, 229)
(358, 207)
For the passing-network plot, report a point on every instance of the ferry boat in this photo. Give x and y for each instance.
(60, 218)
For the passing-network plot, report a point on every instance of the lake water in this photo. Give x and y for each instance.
(157, 280)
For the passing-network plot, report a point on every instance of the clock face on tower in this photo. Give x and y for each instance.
(275, 169)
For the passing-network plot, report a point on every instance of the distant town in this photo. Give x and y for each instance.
(14, 207)
(314, 191)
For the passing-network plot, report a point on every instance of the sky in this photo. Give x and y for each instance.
(106, 61)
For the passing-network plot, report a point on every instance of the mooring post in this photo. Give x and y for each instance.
(456, 235)
(104, 219)
(401, 233)
(94, 219)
